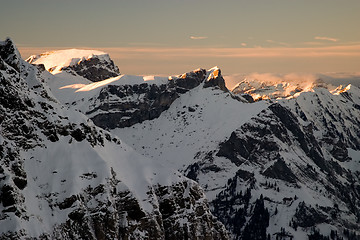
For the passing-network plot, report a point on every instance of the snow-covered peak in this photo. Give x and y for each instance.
(215, 79)
(56, 60)
(276, 88)
(213, 73)
(350, 92)
(340, 89)
(91, 64)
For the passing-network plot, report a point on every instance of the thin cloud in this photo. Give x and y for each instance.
(144, 44)
(169, 60)
(198, 37)
(276, 42)
(276, 52)
(165, 53)
(314, 43)
(327, 39)
(301, 79)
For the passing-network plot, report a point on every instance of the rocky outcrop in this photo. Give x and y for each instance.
(177, 215)
(90, 64)
(216, 80)
(131, 104)
(95, 69)
(9, 54)
(179, 222)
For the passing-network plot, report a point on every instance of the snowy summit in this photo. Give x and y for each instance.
(56, 60)
(91, 64)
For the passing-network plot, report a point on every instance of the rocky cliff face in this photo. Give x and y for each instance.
(95, 69)
(92, 65)
(125, 105)
(281, 159)
(61, 177)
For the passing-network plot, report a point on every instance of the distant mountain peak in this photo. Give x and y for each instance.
(276, 88)
(91, 64)
(215, 79)
(9, 53)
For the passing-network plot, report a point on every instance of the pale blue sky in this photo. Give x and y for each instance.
(316, 26)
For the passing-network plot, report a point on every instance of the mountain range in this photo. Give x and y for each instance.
(89, 153)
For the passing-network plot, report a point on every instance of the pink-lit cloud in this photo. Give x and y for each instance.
(255, 52)
(169, 60)
(277, 43)
(327, 39)
(259, 52)
(198, 37)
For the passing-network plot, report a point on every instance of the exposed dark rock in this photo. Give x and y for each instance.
(253, 141)
(154, 100)
(340, 151)
(216, 80)
(248, 97)
(244, 175)
(233, 149)
(20, 182)
(40, 67)
(68, 202)
(191, 109)
(78, 135)
(307, 142)
(95, 69)
(211, 168)
(306, 216)
(77, 215)
(10, 54)
(189, 80)
(238, 203)
(149, 100)
(18, 170)
(129, 204)
(256, 227)
(172, 209)
(8, 195)
(193, 171)
(280, 171)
